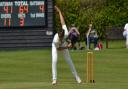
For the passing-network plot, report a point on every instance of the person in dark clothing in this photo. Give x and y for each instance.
(73, 35)
(91, 36)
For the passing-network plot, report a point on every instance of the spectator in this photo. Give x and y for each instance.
(91, 36)
(125, 34)
(74, 35)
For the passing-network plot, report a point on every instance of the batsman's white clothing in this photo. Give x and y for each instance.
(56, 44)
(125, 34)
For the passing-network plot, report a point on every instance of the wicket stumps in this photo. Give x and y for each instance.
(90, 74)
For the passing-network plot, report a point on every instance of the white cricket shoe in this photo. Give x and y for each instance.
(54, 82)
(78, 80)
(96, 48)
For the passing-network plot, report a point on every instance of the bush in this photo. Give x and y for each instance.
(101, 12)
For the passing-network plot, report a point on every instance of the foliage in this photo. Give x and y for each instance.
(102, 13)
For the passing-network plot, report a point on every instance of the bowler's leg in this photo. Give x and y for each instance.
(69, 61)
(54, 63)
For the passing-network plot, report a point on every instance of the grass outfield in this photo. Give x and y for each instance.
(31, 69)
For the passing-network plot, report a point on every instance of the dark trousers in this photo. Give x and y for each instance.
(92, 40)
(74, 39)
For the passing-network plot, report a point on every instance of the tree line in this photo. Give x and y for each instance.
(102, 13)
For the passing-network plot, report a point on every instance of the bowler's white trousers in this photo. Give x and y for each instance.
(54, 62)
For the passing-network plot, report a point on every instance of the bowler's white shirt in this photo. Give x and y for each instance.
(56, 42)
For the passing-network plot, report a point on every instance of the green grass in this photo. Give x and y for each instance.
(31, 69)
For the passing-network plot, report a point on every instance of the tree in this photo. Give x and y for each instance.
(102, 13)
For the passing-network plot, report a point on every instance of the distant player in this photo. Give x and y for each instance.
(91, 36)
(125, 34)
(60, 44)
